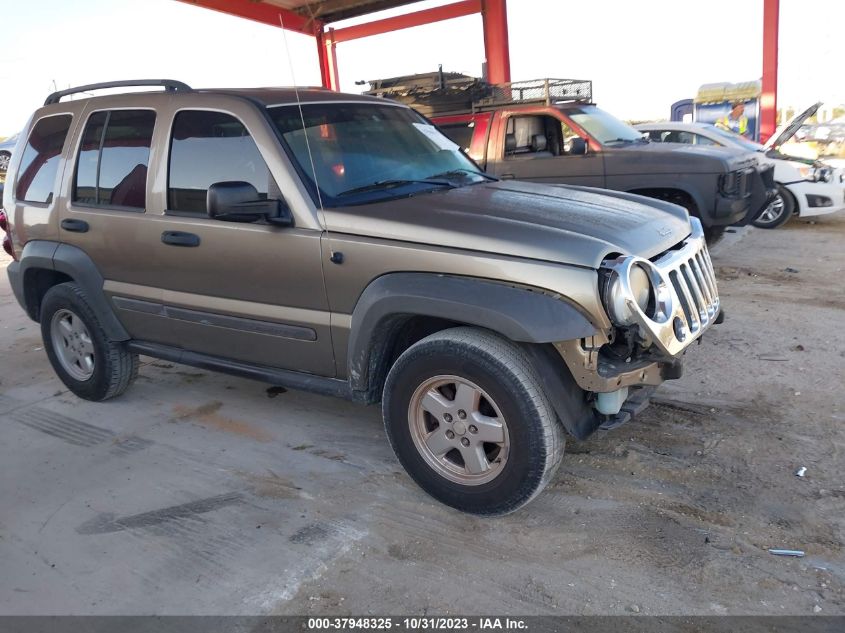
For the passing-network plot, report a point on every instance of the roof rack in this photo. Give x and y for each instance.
(534, 91)
(169, 85)
(441, 94)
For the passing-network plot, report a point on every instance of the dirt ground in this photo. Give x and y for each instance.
(202, 493)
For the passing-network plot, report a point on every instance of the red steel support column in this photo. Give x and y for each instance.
(327, 52)
(495, 16)
(769, 96)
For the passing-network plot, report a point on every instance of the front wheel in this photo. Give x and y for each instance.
(5, 157)
(469, 421)
(778, 212)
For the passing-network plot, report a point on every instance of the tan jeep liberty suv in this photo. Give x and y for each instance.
(340, 244)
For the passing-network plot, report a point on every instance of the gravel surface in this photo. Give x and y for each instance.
(201, 493)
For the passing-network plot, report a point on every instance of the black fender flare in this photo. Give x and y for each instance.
(520, 314)
(76, 264)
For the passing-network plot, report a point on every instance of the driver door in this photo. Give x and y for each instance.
(545, 149)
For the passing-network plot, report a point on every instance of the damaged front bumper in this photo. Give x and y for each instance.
(685, 303)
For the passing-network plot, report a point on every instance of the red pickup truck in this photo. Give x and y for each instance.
(549, 131)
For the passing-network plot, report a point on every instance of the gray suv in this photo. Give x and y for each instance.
(341, 244)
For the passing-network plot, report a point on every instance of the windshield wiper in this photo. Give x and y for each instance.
(390, 184)
(462, 171)
(620, 140)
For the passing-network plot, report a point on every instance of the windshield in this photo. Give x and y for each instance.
(364, 152)
(736, 139)
(604, 127)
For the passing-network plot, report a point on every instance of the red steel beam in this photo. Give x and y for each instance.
(262, 12)
(327, 53)
(496, 45)
(769, 92)
(417, 18)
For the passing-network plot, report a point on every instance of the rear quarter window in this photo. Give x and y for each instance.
(40, 159)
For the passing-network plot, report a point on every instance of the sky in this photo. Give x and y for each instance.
(641, 56)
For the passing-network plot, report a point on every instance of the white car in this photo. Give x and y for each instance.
(805, 187)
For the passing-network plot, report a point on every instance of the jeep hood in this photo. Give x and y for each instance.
(674, 158)
(556, 223)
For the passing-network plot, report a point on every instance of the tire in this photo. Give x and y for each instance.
(508, 404)
(90, 364)
(5, 157)
(778, 212)
(713, 234)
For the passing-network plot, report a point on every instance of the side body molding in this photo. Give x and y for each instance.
(516, 313)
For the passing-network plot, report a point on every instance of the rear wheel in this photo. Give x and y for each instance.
(778, 212)
(90, 364)
(467, 418)
(5, 157)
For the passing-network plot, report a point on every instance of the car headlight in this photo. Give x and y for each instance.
(807, 172)
(824, 174)
(627, 286)
(815, 174)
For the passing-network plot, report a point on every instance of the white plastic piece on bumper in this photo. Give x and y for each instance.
(611, 402)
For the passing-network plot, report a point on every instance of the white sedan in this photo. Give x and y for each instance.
(805, 187)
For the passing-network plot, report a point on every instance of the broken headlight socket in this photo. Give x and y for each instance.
(627, 283)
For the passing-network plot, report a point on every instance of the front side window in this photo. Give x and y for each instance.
(207, 148)
(366, 152)
(111, 169)
(540, 136)
(40, 160)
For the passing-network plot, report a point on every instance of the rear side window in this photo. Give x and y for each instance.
(112, 166)
(210, 147)
(40, 159)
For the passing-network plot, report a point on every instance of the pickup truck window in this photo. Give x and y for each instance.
(604, 127)
(537, 136)
(362, 152)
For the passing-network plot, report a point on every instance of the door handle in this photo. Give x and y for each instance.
(507, 176)
(77, 226)
(180, 238)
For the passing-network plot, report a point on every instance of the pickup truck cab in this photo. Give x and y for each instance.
(548, 131)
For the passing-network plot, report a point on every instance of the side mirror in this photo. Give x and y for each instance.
(238, 201)
(578, 146)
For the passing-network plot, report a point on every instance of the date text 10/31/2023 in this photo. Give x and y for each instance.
(417, 623)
